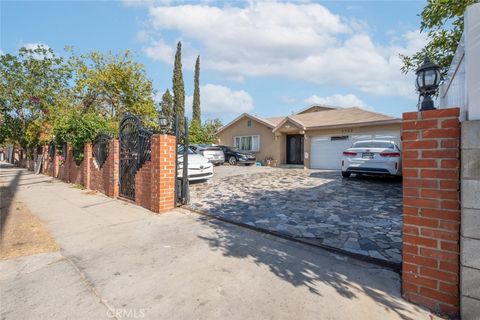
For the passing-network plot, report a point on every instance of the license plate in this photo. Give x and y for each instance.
(367, 155)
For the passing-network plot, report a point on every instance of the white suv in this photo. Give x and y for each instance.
(372, 157)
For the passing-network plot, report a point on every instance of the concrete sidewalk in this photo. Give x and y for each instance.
(120, 259)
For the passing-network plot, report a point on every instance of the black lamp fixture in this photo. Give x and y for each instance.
(163, 122)
(428, 79)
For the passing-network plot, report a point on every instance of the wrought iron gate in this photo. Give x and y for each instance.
(134, 151)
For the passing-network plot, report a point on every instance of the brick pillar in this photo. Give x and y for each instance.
(431, 202)
(87, 155)
(163, 173)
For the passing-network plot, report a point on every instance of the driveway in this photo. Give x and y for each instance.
(118, 260)
(358, 215)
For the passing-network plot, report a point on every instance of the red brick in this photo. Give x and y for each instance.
(449, 309)
(411, 192)
(439, 296)
(450, 246)
(420, 260)
(409, 135)
(410, 173)
(419, 241)
(440, 113)
(408, 267)
(450, 123)
(449, 266)
(438, 254)
(441, 214)
(423, 203)
(450, 153)
(439, 275)
(439, 234)
(450, 143)
(419, 163)
(419, 280)
(420, 221)
(450, 184)
(410, 230)
(450, 163)
(419, 124)
(409, 248)
(442, 174)
(448, 287)
(441, 133)
(410, 115)
(410, 154)
(421, 144)
(410, 287)
(421, 183)
(439, 194)
(451, 205)
(450, 225)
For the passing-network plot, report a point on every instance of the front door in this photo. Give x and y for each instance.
(295, 149)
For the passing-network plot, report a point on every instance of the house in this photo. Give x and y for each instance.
(314, 137)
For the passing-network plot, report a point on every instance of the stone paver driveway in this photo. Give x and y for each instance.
(360, 215)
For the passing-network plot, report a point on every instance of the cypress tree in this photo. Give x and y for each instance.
(196, 115)
(166, 105)
(178, 88)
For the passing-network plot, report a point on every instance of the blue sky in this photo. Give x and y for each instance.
(264, 58)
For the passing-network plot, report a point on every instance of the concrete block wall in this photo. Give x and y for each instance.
(470, 227)
(431, 198)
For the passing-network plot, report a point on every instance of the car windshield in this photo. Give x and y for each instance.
(190, 151)
(373, 144)
(234, 149)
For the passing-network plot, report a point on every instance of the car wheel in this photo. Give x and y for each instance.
(346, 174)
(232, 161)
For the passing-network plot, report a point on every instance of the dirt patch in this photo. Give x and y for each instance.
(22, 233)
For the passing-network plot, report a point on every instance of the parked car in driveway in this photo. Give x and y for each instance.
(372, 157)
(212, 153)
(234, 156)
(199, 167)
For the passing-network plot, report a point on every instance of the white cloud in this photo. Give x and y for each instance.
(160, 51)
(220, 100)
(303, 41)
(339, 100)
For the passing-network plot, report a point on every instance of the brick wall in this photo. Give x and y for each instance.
(155, 181)
(431, 210)
(105, 178)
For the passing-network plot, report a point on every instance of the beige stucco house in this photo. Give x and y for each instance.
(314, 137)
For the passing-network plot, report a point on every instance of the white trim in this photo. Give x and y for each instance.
(248, 136)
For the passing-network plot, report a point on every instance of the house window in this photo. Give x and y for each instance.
(249, 123)
(247, 143)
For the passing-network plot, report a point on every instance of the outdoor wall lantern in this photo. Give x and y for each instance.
(163, 122)
(428, 79)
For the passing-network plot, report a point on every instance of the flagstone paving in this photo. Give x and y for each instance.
(362, 215)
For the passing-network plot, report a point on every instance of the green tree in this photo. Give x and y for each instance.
(178, 87)
(196, 113)
(211, 127)
(33, 86)
(166, 106)
(442, 20)
(112, 85)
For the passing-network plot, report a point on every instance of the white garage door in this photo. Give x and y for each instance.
(326, 151)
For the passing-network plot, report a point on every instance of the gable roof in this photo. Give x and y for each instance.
(316, 108)
(322, 119)
(342, 116)
(243, 115)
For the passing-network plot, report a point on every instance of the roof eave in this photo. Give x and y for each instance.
(356, 124)
(270, 125)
